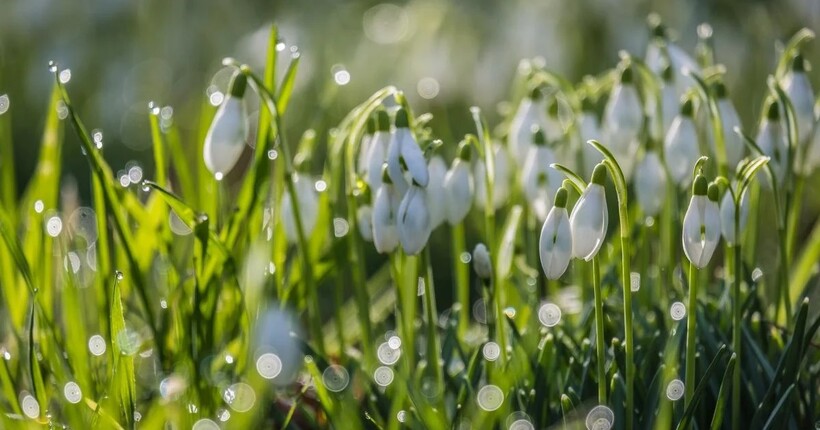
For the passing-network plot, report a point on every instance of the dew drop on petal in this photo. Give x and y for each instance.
(549, 314)
(72, 392)
(218, 176)
(269, 365)
(490, 397)
(30, 406)
(678, 311)
(335, 378)
(491, 351)
(674, 391)
(96, 345)
(240, 397)
(600, 418)
(383, 376)
(634, 281)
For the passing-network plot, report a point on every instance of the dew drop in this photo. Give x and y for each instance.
(674, 391)
(383, 376)
(634, 281)
(549, 314)
(757, 273)
(465, 257)
(52, 66)
(269, 365)
(519, 421)
(394, 342)
(401, 416)
(65, 76)
(272, 154)
(205, 424)
(218, 176)
(387, 354)
(340, 227)
(490, 397)
(39, 206)
(137, 416)
(119, 275)
(4, 103)
(96, 345)
(240, 397)
(54, 226)
(491, 351)
(30, 406)
(600, 418)
(72, 392)
(678, 311)
(320, 186)
(223, 415)
(135, 174)
(335, 378)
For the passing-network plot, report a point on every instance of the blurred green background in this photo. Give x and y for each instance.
(447, 55)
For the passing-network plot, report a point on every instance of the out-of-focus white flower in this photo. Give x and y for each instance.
(227, 135)
(701, 224)
(797, 86)
(589, 217)
(364, 148)
(681, 146)
(385, 209)
(650, 183)
(308, 208)
(589, 128)
(623, 118)
(364, 222)
(377, 153)
(812, 158)
(532, 112)
(436, 194)
(771, 140)
(555, 243)
(404, 152)
(729, 120)
(670, 102)
(538, 180)
(413, 220)
(727, 216)
(662, 51)
(458, 188)
(501, 182)
(482, 264)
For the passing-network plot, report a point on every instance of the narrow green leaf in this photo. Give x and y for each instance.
(577, 182)
(723, 394)
(700, 391)
(506, 248)
(123, 371)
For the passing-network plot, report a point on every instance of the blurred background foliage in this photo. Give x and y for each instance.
(447, 55)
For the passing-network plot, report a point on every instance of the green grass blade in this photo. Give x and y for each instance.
(725, 388)
(700, 390)
(506, 248)
(123, 376)
(8, 182)
(286, 87)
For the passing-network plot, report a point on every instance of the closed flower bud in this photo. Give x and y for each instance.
(458, 188)
(501, 183)
(436, 194)
(681, 146)
(555, 244)
(589, 218)
(227, 135)
(377, 153)
(623, 116)
(797, 86)
(539, 180)
(771, 140)
(364, 222)
(650, 184)
(308, 208)
(727, 216)
(701, 224)
(413, 220)
(482, 264)
(532, 112)
(385, 208)
(729, 119)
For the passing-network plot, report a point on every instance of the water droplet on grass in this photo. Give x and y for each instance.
(465, 257)
(52, 66)
(54, 226)
(96, 345)
(72, 392)
(320, 186)
(675, 389)
(549, 314)
(340, 227)
(65, 76)
(394, 342)
(119, 275)
(272, 154)
(39, 206)
(401, 416)
(490, 397)
(600, 418)
(491, 351)
(240, 397)
(757, 274)
(678, 311)
(269, 365)
(205, 424)
(387, 354)
(4, 103)
(383, 376)
(335, 378)
(31, 408)
(634, 281)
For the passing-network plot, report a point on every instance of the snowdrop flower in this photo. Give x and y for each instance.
(623, 118)
(482, 264)
(539, 180)
(729, 119)
(727, 216)
(531, 112)
(364, 222)
(701, 224)
(662, 51)
(650, 183)
(812, 157)
(413, 220)
(364, 147)
(308, 208)
(501, 182)
(589, 218)
(227, 135)
(385, 208)
(797, 86)
(404, 151)
(670, 101)
(771, 140)
(436, 194)
(377, 153)
(589, 128)
(555, 244)
(458, 187)
(681, 145)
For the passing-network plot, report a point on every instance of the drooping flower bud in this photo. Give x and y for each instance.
(436, 193)
(413, 220)
(729, 120)
(531, 112)
(555, 244)
(308, 208)
(727, 216)
(797, 86)
(539, 180)
(650, 183)
(771, 140)
(364, 148)
(458, 186)
(404, 151)
(377, 153)
(482, 264)
(228, 133)
(623, 118)
(385, 209)
(701, 224)
(681, 145)
(589, 217)
(364, 222)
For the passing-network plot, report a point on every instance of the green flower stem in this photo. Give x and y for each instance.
(691, 320)
(600, 346)
(462, 277)
(431, 316)
(406, 305)
(736, 332)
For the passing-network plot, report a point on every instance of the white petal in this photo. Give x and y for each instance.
(394, 169)
(385, 237)
(650, 184)
(590, 129)
(589, 222)
(539, 181)
(458, 185)
(701, 230)
(733, 143)
(364, 152)
(225, 140)
(529, 113)
(364, 222)
(436, 194)
(772, 142)
(308, 209)
(681, 150)
(727, 216)
(482, 264)
(798, 87)
(623, 117)
(413, 222)
(376, 157)
(413, 156)
(555, 244)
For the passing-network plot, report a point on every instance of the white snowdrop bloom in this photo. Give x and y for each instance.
(364, 148)
(227, 135)
(771, 139)
(701, 224)
(662, 51)
(458, 188)
(589, 128)
(729, 120)
(404, 153)
(681, 146)
(797, 86)
(727, 216)
(436, 193)
(308, 208)
(538, 180)
(377, 153)
(501, 183)
(482, 264)
(589, 217)
(623, 116)
(670, 102)
(364, 222)
(385, 209)
(650, 183)
(413, 220)
(532, 112)
(555, 243)
(812, 158)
